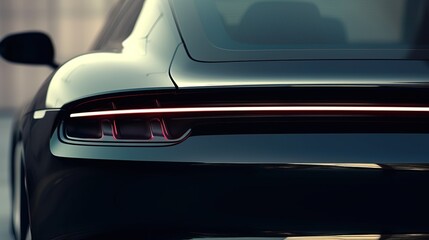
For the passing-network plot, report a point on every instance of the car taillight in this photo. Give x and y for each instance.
(84, 128)
(133, 128)
(172, 116)
(121, 129)
(254, 109)
(157, 124)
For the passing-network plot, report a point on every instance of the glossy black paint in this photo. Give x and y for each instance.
(188, 200)
(188, 73)
(323, 176)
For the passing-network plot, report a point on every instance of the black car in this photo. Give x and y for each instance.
(230, 119)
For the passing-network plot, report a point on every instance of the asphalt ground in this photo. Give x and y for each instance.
(5, 206)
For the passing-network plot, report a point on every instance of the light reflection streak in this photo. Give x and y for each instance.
(338, 237)
(346, 165)
(279, 109)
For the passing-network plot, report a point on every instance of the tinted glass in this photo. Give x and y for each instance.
(311, 29)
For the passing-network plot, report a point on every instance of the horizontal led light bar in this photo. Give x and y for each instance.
(279, 109)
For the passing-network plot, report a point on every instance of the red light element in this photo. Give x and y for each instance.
(279, 109)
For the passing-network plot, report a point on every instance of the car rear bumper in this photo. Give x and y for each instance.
(197, 192)
(185, 199)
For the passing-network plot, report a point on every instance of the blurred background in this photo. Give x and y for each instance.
(73, 26)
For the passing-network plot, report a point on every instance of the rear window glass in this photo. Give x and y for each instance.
(228, 30)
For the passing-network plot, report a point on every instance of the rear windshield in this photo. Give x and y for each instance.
(230, 30)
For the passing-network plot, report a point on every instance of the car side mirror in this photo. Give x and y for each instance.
(28, 48)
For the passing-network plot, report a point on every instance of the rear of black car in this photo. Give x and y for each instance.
(266, 133)
(232, 174)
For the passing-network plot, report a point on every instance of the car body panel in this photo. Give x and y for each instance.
(188, 73)
(143, 64)
(105, 73)
(283, 148)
